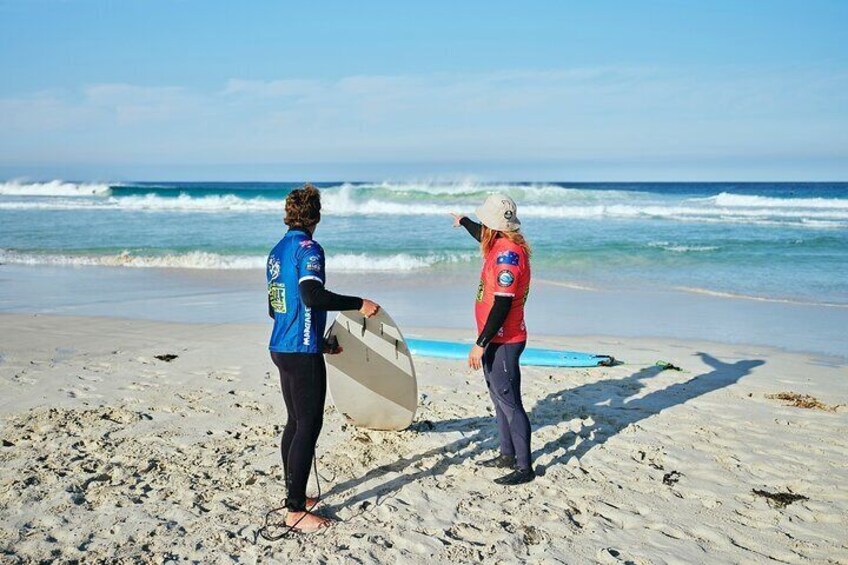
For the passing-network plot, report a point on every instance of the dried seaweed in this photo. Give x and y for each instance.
(801, 401)
(779, 499)
(671, 478)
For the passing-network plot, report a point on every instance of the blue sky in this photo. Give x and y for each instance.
(652, 90)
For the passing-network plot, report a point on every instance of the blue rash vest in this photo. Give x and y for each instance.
(297, 329)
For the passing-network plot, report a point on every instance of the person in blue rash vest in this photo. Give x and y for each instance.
(298, 303)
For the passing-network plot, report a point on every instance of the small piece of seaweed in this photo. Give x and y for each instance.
(166, 357)
(779, 499)
(671, 477)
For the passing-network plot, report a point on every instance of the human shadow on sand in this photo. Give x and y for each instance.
(603, 403)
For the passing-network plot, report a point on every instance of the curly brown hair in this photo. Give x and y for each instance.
(303, 207)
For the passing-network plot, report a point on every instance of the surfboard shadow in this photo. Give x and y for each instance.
(604, 403)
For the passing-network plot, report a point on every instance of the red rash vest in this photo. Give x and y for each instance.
(506, 272)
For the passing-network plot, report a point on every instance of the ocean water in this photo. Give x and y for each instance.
(785, 242)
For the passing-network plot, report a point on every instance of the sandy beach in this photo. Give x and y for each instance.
(187, 185)
(111, 455)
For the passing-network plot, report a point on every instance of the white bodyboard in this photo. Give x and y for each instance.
(372, 382)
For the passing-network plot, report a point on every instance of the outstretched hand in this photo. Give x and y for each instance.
(456, 219)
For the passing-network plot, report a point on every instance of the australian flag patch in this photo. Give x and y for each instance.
(508, 258)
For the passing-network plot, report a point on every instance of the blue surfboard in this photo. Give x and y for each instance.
(531, 355)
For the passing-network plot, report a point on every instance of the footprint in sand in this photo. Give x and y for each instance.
(226, 375)
(90, 378)
(20, 378)
(139, 386)
(612, 555)
(62, 354)
(81, 394)
(98, 367)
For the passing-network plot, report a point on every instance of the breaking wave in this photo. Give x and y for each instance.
(427, 199)
(752, 201)
(53, 188)
(350, 262)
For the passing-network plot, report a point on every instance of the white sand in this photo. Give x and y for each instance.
(112, 456)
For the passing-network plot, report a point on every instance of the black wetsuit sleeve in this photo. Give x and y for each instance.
(314, 295)
(496, 319)
(473, 227)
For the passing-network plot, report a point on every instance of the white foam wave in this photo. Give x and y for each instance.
(474, 192)
(538, 201)
(361, 262)
(52, 188)
(668, 246)
(734, 295)
(190, 260)
(352, 262)
(184, 202)
(342, 204)
(729, 200)
(153, 203)
(673, 212)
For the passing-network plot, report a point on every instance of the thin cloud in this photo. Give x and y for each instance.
(582, 113)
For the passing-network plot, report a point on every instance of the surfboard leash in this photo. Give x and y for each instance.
(263, 531)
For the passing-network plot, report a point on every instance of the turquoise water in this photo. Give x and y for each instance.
(782, 241)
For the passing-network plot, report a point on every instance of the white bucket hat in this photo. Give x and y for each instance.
(499, 213)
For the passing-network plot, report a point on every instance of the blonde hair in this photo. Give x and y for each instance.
(488, 237)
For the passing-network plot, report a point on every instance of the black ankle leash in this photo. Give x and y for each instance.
(263, 531)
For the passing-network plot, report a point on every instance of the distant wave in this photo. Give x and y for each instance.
(339, 205)
(352, 262)
(190, 260)
(527, 193)
(751, 201)
(53, 188)
(676, 248)
(417, 199)
(152, 203)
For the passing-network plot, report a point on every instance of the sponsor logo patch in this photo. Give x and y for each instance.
(480, 291)
(307, 326)
(313, 263)
(508, 258)
(273, 268)
(306, 243)
(505, 278)
(277, 294)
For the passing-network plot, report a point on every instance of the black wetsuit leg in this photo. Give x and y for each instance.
(303, 380)
(503, 378)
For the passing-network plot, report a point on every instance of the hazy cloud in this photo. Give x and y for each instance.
(603, 113)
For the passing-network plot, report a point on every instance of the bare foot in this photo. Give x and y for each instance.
(306, 522)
